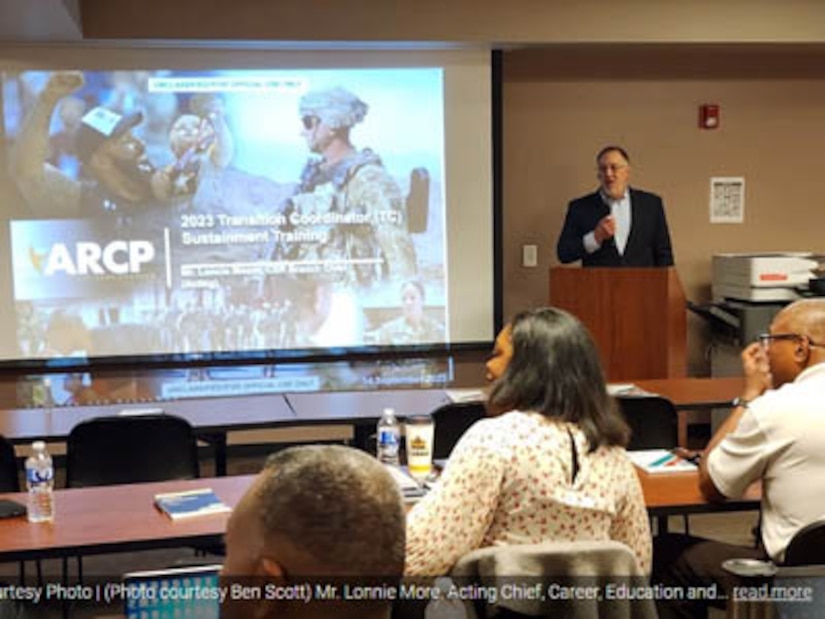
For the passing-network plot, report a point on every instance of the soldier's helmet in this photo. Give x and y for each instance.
(336, 107)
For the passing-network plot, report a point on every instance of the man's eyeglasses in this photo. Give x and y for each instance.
(765, 338)
(613, 167)
(309, 121)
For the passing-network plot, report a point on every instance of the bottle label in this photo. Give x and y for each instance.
(35, 476)
(387, 438)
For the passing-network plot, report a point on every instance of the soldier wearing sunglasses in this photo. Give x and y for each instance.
(348, 209)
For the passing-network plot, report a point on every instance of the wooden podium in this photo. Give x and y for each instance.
(638, 317)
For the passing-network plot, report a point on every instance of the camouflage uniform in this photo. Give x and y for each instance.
(399, 332)
(359, 188)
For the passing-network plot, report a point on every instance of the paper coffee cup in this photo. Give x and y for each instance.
(420, 433)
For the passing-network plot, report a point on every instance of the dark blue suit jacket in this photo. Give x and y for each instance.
(648, 244)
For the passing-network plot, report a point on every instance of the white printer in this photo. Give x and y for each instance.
(764, 277)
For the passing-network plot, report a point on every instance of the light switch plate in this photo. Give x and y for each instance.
(530, 255)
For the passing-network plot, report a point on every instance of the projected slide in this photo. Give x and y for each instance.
(170, 212)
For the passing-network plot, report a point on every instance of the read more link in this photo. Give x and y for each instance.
(91, 258)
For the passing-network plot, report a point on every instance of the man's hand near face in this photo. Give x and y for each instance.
(605, 229)
(757, 371)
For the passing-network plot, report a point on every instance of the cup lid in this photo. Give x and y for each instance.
(419, 419)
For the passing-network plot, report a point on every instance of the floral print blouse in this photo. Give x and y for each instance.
(510, 480)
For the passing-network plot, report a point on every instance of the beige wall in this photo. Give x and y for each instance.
(563, 101)
(478, 21)
(771, 134)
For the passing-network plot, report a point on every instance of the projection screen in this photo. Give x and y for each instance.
(161, 202)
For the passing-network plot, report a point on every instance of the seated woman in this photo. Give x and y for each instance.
(550, 467)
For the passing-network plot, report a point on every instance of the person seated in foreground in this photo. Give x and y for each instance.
(775, 434)
(326, 514)
(552, 467)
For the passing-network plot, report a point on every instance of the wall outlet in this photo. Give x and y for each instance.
(530, 255)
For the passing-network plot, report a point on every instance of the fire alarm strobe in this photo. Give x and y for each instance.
(708, 116)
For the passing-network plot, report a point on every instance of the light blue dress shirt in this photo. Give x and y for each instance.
(620, 210)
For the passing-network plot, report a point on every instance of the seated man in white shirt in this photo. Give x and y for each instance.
(776, 435)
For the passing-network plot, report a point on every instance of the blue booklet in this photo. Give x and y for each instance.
(190, 503)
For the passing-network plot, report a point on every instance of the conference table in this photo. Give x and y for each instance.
(690, 394)
(123, 518)
(677, 494)
(213, 418)
(363, 409)
(695, 393)
(118, 518)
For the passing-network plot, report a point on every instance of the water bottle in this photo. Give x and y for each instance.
(388, 437)
(40, 482)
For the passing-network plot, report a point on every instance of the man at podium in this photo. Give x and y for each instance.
(616, 226)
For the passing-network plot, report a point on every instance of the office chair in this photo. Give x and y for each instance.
(130, 449)
(653, 422)
(593, 564)
(451, 422)
(803, 567)
(9, 471)
(807, 547)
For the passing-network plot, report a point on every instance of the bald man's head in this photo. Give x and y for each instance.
(807, 317)
(790, 355)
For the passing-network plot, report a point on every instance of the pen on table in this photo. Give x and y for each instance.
(664, 459)
(684, 454)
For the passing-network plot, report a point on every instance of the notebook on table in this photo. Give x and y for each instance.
(657, 461)
(411, 490)
(172, 593)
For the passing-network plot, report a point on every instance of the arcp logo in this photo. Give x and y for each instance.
(88, 258)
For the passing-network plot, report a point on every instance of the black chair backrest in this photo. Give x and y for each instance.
(653, 422)
(451, 421)
(9, 471)
(807, 547)
(130, 449)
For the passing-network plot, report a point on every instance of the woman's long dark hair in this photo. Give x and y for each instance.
(555, 370)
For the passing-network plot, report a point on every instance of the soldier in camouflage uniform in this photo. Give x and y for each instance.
(347, 202)
(413, 326)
